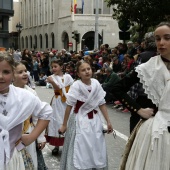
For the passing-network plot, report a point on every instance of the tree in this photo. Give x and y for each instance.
(144, 13)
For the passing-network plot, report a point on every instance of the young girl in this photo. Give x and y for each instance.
(16, 105)
(61, 83)
(21, 80)
(84, 146)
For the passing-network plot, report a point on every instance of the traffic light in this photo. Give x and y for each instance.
(124, 24)
(77, 38)
(124, 35)
(74, 34)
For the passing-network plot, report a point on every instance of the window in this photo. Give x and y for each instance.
(53, 39)
(30, 41)
(100, 11)
(35, 41)
(79, 11)
(46, 40)
(30, 13)
(26, 42)
(40, 12)
(45, 12)
(52, 11)
(35, 13)
(1, 26)
(22, 42)
(40, 41)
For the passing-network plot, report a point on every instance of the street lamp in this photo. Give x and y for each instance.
(19, 27)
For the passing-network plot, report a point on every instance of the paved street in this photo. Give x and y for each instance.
(115, 147)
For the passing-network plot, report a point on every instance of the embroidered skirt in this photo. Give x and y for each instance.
(66, 162)
(20, 160)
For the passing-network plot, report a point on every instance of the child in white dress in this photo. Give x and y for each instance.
(61, 84)
(21, 80)
(84, 146)
(14, 110)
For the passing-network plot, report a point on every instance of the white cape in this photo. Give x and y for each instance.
(20, 104)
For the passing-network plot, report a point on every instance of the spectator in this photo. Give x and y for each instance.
(42, 79)
(17, 56)
(116, 65)
(110, 80)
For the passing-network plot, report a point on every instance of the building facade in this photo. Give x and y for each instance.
(50, 24)
(13, 32)
(6, 10)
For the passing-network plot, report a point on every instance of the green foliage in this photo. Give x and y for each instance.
(144, 13)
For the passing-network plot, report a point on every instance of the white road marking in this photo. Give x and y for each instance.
(121, 135)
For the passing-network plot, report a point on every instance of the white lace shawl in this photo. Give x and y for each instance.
(68, 81)
(155, 78)
(92, 99)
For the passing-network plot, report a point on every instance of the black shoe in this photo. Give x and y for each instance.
(55, 151)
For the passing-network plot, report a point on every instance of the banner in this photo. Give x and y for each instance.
(75, 6)
(71, 7)
(82, 6)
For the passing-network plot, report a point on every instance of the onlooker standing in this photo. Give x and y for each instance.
(17, 55)
(27, 57)
(35, 68)
(44, 63)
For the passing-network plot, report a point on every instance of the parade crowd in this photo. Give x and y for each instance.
(133, 76)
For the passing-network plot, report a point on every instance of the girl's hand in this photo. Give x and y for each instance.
(26, 139)
(62, 130)
(49, 79)
(109, 127)
(146, 113)
(41, 145)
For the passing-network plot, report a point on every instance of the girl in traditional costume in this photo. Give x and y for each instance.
(84, 146)
(61, 84)
(17, 105)
(34, 149)
(148, 147)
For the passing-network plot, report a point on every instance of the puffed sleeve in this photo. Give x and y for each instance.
(42, 110)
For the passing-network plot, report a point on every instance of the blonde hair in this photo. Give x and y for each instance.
(8, 58)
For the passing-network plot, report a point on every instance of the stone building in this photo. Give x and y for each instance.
(13, 32)
(50, 24)
(6, 10)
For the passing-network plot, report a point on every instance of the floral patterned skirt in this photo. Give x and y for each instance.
(27, 160)
(20, 160)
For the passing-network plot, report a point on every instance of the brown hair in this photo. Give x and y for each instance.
(59, 62)
(79, 63)
(8, 58)
(165, 23)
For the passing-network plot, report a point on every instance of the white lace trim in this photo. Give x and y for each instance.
(148, 89)
(154, 75)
